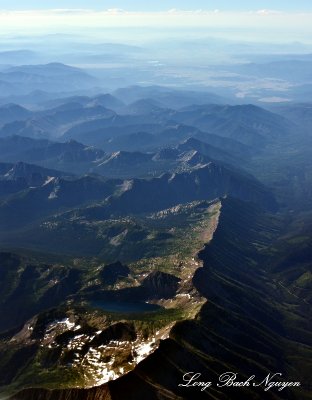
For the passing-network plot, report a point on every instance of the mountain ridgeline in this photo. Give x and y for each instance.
(246, 325)
(146, 233)
(65, 201)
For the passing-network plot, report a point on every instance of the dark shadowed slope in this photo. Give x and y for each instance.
(248, 325)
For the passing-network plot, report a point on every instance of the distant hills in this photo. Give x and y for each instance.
(293, 70)
(49, 77)
(12, 112)
(167, 97)
(105, 100)
(89, 120)
(248, 124)
(109, 121)
(54, 122)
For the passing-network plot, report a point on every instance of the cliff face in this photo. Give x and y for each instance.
(248, 325)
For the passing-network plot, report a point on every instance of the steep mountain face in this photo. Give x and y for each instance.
(207, 181)
(160, 285)
(180, 158)
(27, 172)
(248, 325)
(293, 258)
(242, 328)
(122, 160)
(52, 196)
(20, 176)
(21, 278)
(112, 272)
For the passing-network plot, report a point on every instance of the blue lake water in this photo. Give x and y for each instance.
(124, 307)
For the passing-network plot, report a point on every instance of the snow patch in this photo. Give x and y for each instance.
(49, 179)
(64, 323)
(144, 349)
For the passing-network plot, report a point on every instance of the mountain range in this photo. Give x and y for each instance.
(149, 232)
(75, 157)
(23, 79)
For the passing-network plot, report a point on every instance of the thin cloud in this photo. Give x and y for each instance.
(268, 12)
(66, 19)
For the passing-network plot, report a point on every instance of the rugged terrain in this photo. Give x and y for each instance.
(143, 238)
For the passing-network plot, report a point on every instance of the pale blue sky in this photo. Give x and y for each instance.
(159, 5)
(269, 20)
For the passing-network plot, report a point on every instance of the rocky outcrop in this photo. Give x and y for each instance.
(121, 332)
(112, 272)
(160, 285)
(241, 328)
